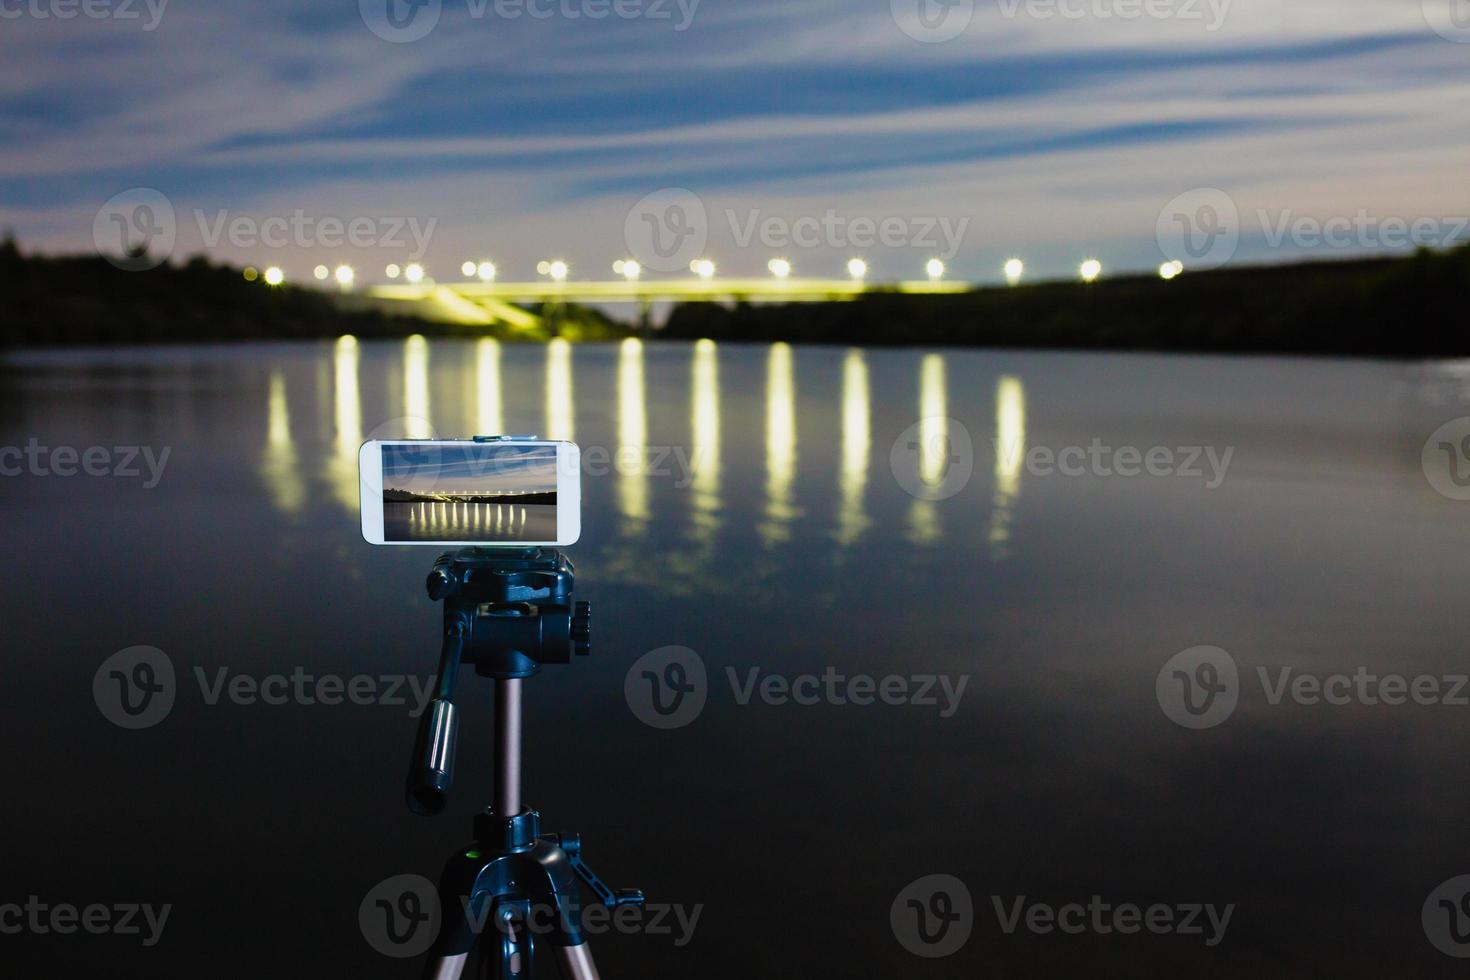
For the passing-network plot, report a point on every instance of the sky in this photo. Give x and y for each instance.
(490, 469)
(516, 131)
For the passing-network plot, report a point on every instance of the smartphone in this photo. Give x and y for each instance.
(499, 490)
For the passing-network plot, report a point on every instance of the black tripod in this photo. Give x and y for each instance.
(507, 611)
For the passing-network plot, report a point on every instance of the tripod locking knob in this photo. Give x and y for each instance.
(582, 629)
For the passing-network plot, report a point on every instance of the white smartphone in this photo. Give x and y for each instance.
(501, 490)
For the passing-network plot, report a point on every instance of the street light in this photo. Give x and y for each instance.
(486, 271)
(780, 268)
(857, 268)
(392, 272)
(703, 268)
(1169, 270)
(935, 268)
(274, 276)
(1014, 270)
(628, 269)
(345, 275)
(1090, 270)
(321, 272)
(414, 273)
(468, 269)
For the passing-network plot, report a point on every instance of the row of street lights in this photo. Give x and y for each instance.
(557, 270)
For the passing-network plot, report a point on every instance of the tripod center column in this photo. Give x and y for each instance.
(508, 747)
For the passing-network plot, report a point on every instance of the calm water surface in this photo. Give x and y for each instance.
(773, 509)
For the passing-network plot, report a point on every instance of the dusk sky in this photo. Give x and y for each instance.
(515, 138)
(490, 469)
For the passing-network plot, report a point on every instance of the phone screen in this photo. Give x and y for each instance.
(489, 493)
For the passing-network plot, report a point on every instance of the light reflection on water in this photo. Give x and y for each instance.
(559, 409)
(935, 449)
(279, 467)
(705, 449)
(780, 445)
(486, 397)
(1010, 451)
(684, 476)
(857, 444)
(631, 459)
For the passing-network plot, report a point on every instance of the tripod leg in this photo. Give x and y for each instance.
(576, 962)
(445, 967)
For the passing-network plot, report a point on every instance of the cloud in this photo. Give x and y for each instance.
(525, 138)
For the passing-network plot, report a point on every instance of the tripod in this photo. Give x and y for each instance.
(507, 611)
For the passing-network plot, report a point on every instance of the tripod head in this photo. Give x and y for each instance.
(507, 611)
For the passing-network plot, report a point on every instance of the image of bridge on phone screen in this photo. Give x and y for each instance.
(493, 493)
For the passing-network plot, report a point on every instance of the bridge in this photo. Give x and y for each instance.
(485, 303)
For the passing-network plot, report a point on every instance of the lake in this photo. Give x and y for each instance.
(1052, 626)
